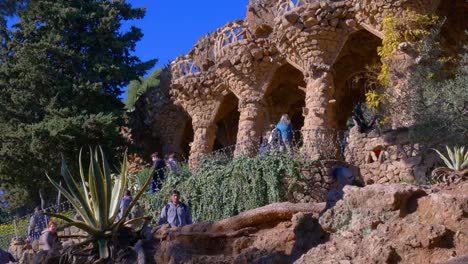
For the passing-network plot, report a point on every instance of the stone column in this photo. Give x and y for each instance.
(203, 141)
(318, 114)
(251, 123)
(402, 93)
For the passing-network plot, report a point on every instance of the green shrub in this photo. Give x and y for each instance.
(221, 188)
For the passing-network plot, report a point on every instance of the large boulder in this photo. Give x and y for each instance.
(395, 223)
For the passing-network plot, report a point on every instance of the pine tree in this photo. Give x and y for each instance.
(62, 70)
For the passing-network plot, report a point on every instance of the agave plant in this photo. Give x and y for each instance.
(97, 199)
(457, 166)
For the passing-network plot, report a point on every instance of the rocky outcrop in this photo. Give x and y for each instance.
(276, 233)
(396, 223)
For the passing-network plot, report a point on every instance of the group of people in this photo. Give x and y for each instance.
(159, 166)
(279, 138)
(43, 229)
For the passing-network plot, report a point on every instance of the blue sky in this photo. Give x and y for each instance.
(171, 28)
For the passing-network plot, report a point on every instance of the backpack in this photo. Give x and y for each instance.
(275, 136)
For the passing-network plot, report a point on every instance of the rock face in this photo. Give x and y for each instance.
(277, 233)
(394, 223)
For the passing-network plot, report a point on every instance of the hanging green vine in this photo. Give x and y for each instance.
(221, 188)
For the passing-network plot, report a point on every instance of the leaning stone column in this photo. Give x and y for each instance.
(318, 113)
(203, 141)
(251, 123)
(402, 93)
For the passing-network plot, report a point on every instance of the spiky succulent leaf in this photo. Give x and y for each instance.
(83, 178)
(76, 192)
(76, 204)
(446, 161)
(119, 188)
(79, 224)
(457, 159)
(108, 182)
(451, 157)
(134, 200)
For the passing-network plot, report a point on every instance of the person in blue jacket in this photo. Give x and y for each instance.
(286, 131)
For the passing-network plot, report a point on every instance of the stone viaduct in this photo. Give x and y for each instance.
(287, 56)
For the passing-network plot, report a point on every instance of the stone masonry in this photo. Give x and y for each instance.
(287, 56)
(242, 58)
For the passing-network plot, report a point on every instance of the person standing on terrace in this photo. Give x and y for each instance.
(159, 166)
(286, 130)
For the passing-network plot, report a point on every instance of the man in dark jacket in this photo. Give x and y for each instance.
(158, 175)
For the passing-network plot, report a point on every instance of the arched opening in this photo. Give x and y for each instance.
(187, 138)
(357, 62)
(227, 122)
(285, 95)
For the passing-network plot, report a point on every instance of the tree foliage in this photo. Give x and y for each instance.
(62, 71)
(441, 110)
(140, 86)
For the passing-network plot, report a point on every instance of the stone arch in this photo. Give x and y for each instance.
(285, 94)
(227, 122)
(351, 81)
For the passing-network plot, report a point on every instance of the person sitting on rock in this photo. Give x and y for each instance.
(175, 213)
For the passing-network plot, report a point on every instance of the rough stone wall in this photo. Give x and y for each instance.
(319, 182)
(388, 158)
(157, 123)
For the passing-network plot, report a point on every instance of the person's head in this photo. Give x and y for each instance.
(175, 196)
(53, 226)
(128, 193)
(343, 176)
(154, 156)
(38, 209)
(285, 119)
(172, 156)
